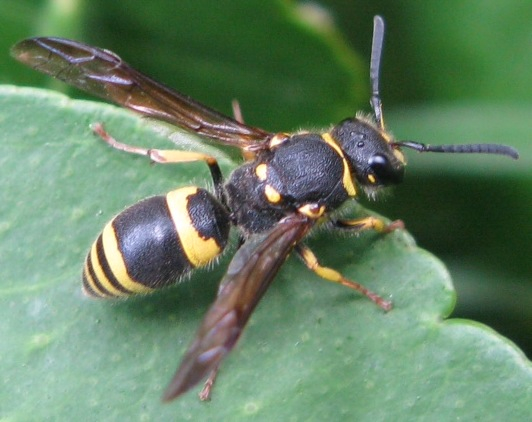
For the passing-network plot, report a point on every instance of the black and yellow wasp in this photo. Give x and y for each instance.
(288, 184)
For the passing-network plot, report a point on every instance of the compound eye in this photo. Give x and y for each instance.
(384, 171)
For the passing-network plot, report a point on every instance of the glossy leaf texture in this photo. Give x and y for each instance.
(312, 349)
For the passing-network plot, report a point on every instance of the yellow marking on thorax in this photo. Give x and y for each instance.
(278, 139)
(270, 192)
(347, 180)
(313, 211)
(199, 251)
(262, 172)
(272, 195)
(116, 264)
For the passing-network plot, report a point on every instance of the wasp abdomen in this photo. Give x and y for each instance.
(154, 242)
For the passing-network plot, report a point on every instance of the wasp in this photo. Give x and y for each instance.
(288, 184)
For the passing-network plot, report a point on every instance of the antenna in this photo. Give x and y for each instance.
(461, 149)
(375, 101)
(375, 68)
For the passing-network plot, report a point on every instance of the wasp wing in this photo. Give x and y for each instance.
(103, 73)
(248, 276)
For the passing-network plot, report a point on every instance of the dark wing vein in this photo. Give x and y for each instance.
(248, 276)
(103, 73)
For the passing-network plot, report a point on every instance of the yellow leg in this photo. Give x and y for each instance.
(329, 274)
(163, 156)
(157, 155)
(370, 223)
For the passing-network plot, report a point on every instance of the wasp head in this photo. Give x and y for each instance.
(374, 160)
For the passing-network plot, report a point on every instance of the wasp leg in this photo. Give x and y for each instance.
(239, 117)
(369, 223)
(163, 156)
(205, 393)
(237, 111)
(329, 274)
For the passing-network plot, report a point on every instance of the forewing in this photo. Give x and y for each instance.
(248, 276)
(103, 73)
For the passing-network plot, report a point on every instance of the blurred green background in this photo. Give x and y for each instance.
(454, 71)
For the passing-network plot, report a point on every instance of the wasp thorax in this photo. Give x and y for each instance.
(373, 160)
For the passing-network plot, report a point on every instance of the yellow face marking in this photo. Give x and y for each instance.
(371, 178)
(199, 251)
(272, 195)
(262, 172)
(387, 137)
(313, 211)
(399, 155)
(117, 265)
(347, 180)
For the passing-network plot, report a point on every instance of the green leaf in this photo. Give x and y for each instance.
(312, 349)
(215, 53)
(473, 212)
(446, 50)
